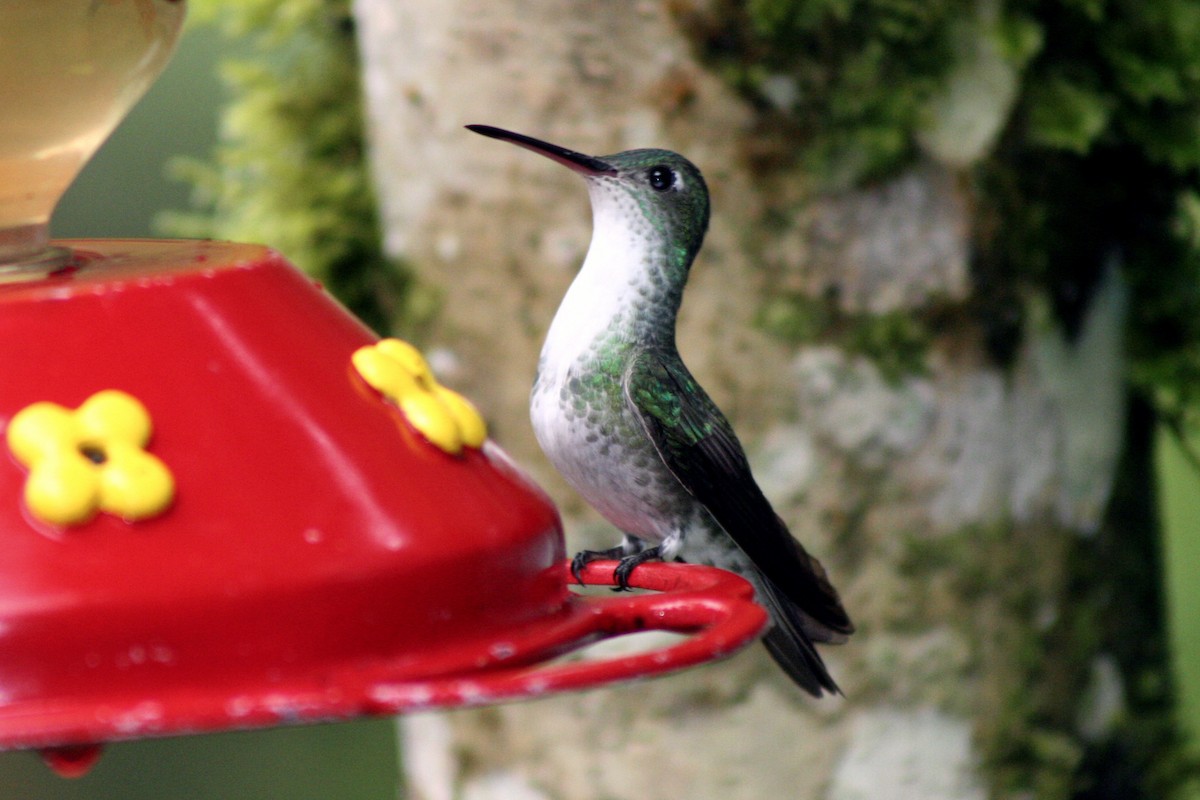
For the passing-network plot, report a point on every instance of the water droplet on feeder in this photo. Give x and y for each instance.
(72, 761)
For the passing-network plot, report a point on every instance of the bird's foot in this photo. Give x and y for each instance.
(630, 562)
(585, 557)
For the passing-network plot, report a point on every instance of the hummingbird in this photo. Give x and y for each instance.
(619, 415)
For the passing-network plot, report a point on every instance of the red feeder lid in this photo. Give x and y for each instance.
(312, 556)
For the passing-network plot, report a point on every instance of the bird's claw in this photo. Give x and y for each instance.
(585, 557)
(629, 563)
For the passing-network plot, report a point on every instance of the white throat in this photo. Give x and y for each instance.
(612, 283)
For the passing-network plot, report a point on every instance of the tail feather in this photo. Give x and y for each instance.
(791, 645)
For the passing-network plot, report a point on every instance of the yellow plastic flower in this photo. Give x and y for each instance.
(90, 459)
(397, 370)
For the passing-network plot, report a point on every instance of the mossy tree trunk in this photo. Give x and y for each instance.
(960, 502)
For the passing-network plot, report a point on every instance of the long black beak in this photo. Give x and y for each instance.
(588, 165)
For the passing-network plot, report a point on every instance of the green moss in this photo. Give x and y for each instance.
(1100, 158)
(896, 341)
(853, 78)
(1040, 605)
(290, 169)
(797, 318)
(1066, 116)
(1051, 604)
(1101, 164)
(1007, 579)
(848, 78)
(923, 555)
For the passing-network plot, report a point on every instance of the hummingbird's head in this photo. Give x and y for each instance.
(663, 188)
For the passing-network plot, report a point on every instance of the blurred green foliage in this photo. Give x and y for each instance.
(854, 77)
(290, 167)
(849, 77)
(1100, 165)
(1096, 170)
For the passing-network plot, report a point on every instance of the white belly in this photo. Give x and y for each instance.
(610, 462)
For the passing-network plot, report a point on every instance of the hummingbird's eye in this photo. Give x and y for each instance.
(661, 178)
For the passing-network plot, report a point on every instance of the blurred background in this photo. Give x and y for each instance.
(981, 197)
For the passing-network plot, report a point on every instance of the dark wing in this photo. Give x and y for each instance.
(699, 446)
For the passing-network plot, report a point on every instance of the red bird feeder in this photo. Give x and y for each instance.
(224, 504)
